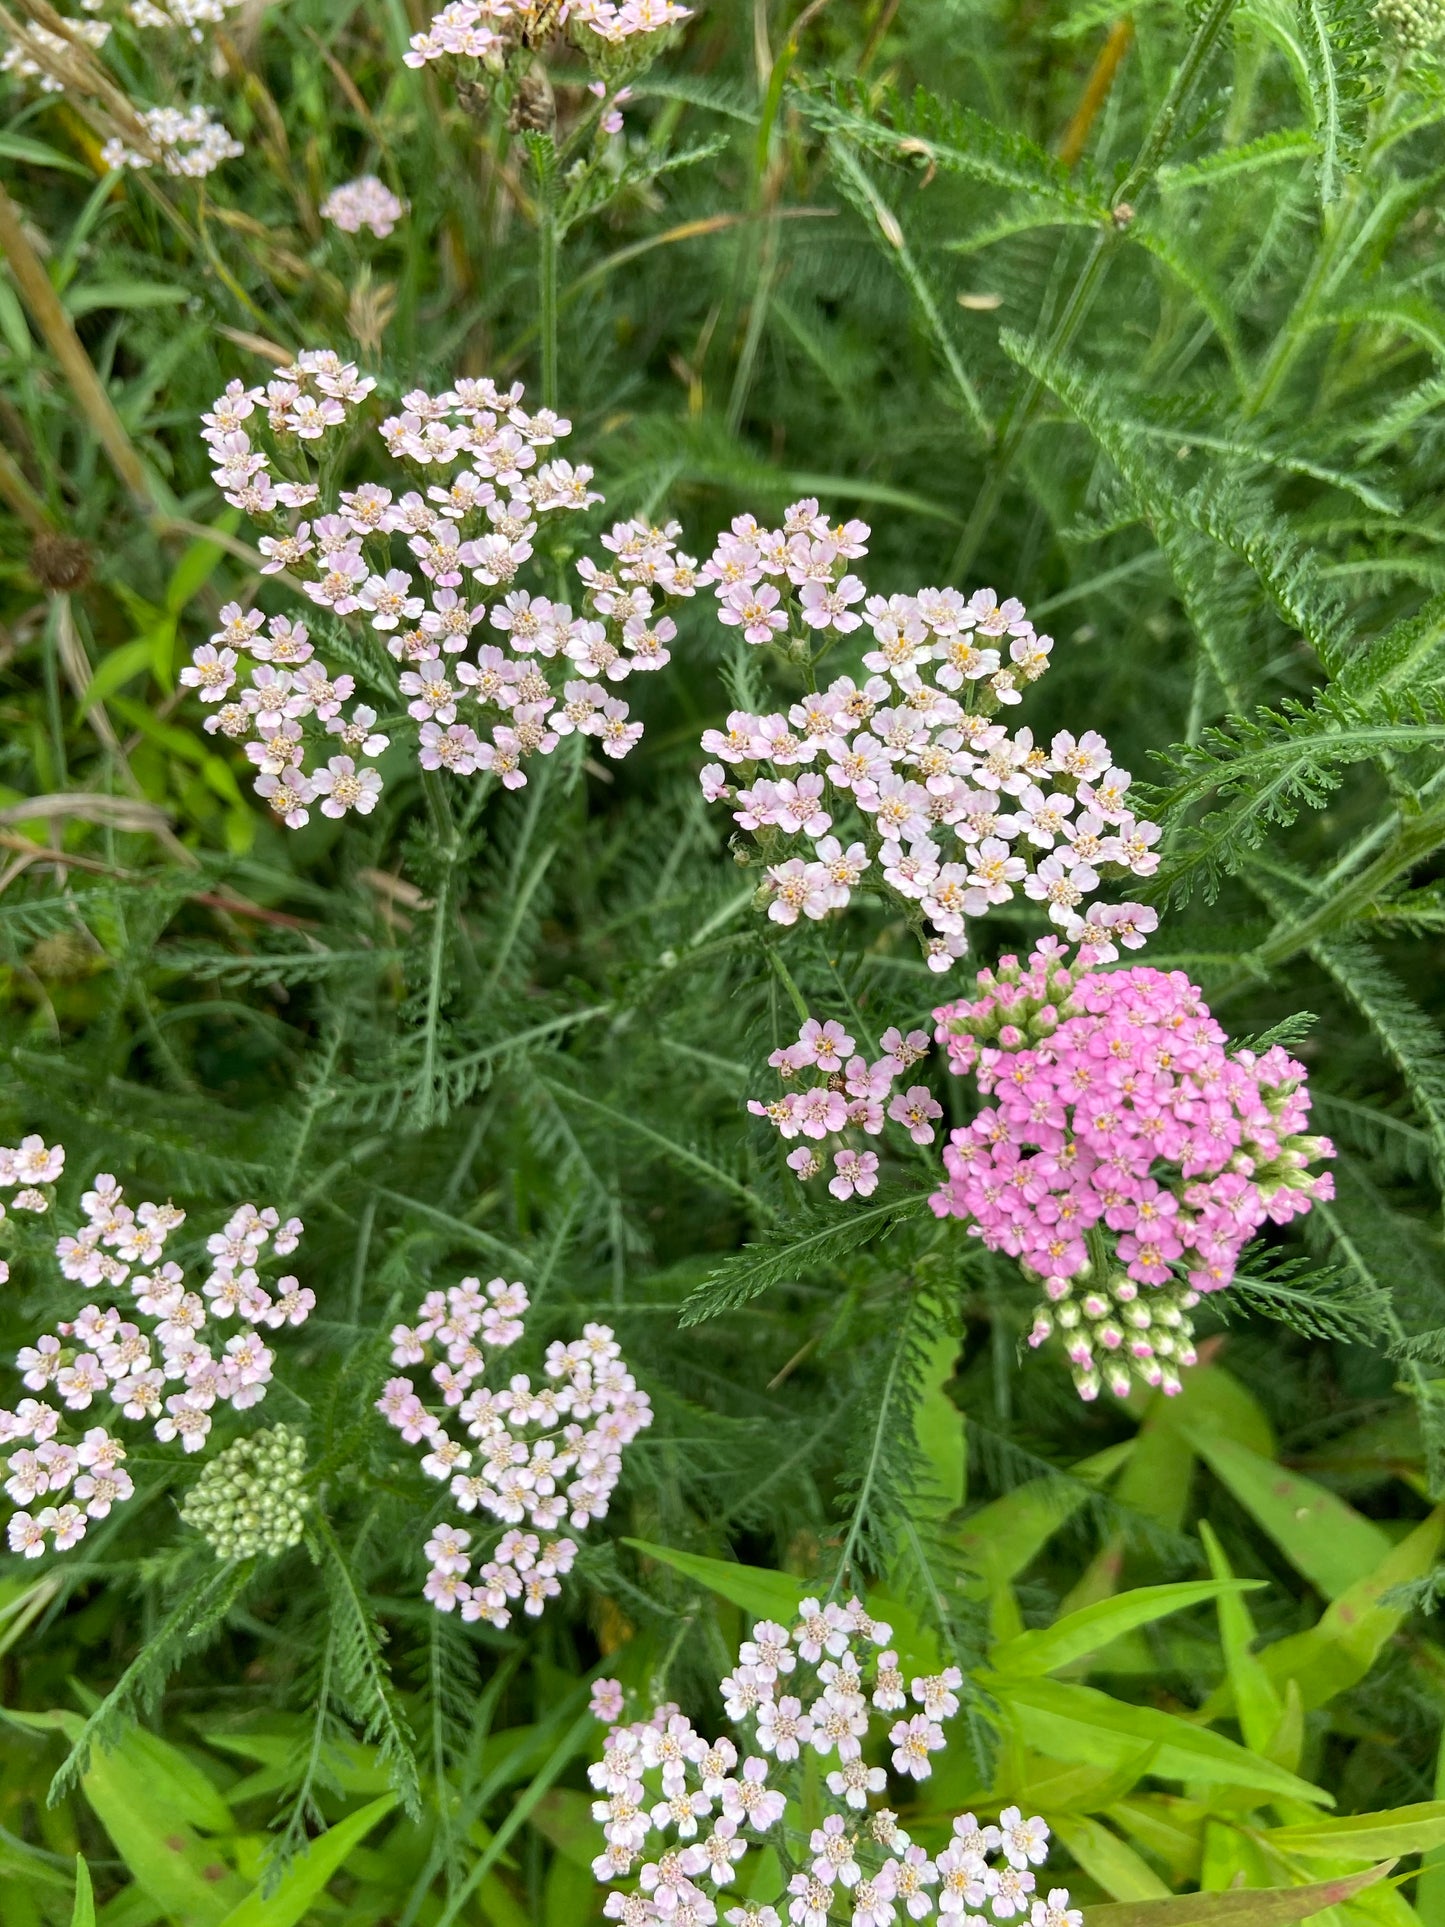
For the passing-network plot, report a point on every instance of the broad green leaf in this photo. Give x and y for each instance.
(21, 147)
(307, 1875)
(1326, 1540)
(198, 564)
(938, 1425)
(1340, 1650)
(117, 667)
(123, 294)
(1263, 1907)
(1157, 1479)
(21, 1604)
(1365, 1836)
(184, 1875)
(175, 1782)
(1001, 1538)
(763, 1593)
(1070, 1722)
(83, 1912)
(1093, 1627)
(1430, 1893)
(1168, 1826)
(1256, 1703)
(1105, 1858)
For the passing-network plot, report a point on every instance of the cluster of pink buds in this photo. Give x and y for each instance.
(482, 490)
(805, 1703)
(363, 203)
(854, 1096)
(1128, 1155)
(104, 1354)
(545, 1454)
(895, 772)
(490, 30)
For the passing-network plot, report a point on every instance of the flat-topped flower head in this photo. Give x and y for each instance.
(910, 783)
(685, 1820)
(160, 1353)
(544, 1456)
(417, 571)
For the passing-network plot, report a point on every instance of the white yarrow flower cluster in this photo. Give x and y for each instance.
(18, 61)
(489, 30)
(854, 1096)
(814, 1707)
(477, 482)
(190, 140)
(364, 203)
(104, 1357)
(896, 780)
(541, 1456)
(190, 16)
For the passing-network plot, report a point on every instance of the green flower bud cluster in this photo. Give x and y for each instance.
(249, 1499)
(1416, 24)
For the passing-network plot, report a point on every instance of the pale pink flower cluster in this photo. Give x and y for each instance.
(906, 747)
(854, 1096)
(545, 1454)
(364, 203)
(103, 1354)
(190, 141)
(1126, 1147)
(483, 481)
(803, 1703)
(489, 30)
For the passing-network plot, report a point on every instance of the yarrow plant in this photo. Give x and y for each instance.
(853, 1097)
(475, 484)
(1128, 1155)
(364, 203)
(107, 1359)
(688, 1821)
(187, 141)
(545, 1454)
(490, 31)
(895, 779)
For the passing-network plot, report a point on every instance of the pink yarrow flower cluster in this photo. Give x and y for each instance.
(1128, 1156)
(680, 1813)
(854, 1096)
(542, 1455)
(364, 203)
(895, 778)
(491, 30)
(482, 672)
(146, 1362)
